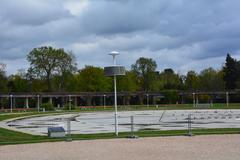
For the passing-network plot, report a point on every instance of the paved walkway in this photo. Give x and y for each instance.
(213, 147)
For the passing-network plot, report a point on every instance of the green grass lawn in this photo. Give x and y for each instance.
(12, 137)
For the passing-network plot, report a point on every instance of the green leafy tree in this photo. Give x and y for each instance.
(92, 79)
(211, 80)
(128, 82)
(170, 79)
(145, 69)
(19, 82)
(230, 72)
(3, 78)
(192, 81)
(47, 61)
(66, 67)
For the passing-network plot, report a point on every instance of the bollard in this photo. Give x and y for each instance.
(132, 128)
(189, 125)
(69, 139)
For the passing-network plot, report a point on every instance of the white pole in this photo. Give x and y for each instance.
(104, 101)
(69, 98)
(227, 98)
(11, 105)
(194, 103)
(115, 104)
(147, 101)
(27, 106)
(38, 103)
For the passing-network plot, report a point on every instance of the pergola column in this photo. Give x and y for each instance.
(26, 103)
(211, 101)
(75, 101)
(182, 99)
(50, 100)
(197, 99)
(194, 99)
(38, 103)
(89, 100)
(154, 100)
(14, 102)
(140, 99)
(227, 99)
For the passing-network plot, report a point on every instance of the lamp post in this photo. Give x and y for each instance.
(114, 54)
(114, 71)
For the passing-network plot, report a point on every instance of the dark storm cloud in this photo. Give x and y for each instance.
(181, 34)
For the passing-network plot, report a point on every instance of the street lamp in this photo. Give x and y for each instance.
(114, 54)
(114, 71)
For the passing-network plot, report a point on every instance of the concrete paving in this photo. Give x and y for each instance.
(211, 147)
(103, 122)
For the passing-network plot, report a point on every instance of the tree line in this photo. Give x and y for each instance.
(55, 70)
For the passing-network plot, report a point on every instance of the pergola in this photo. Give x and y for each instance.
(76, 97)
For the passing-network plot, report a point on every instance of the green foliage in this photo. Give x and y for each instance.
(128, 82)
(192, 81)
(3, 78)
(211, 80)
(204, 98)
(47, 61)
(230, 72)
(170, 96)
(68, 107)
(92, 79)
(170, 80)
(47, 106)
(58, 68)
(18, 83)
(145, 69)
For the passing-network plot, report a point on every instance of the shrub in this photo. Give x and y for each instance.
(170, 96)
(47, 106)
(67, 107)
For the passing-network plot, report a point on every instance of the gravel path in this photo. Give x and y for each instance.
(211, 147)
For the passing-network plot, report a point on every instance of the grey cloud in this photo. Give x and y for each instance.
(171, 32)
(28, 12)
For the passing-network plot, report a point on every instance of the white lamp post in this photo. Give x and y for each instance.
(114, 71)
(114, 54)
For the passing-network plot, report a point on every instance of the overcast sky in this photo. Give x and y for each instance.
(179, 34)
